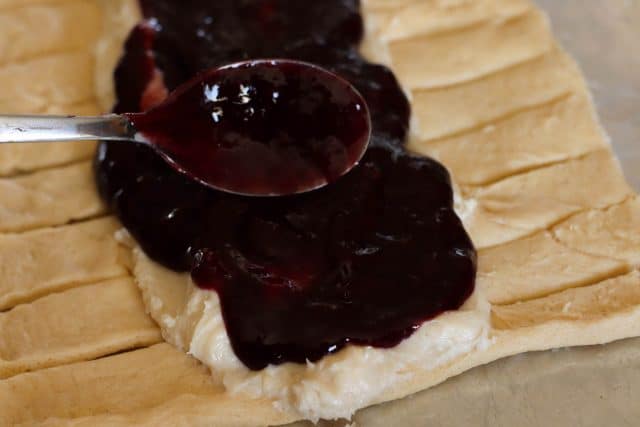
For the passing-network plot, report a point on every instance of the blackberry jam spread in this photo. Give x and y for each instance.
(365, 260)
(261, 127)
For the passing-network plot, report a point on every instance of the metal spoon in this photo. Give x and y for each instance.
(256, 128)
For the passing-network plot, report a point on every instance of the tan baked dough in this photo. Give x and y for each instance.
(155, 386)
(619, 294)
(453, 57)
(436, 16)
(539, 265)
(522, 204)
(30, 157)
(12, 5)
(524, 140)
(612, 232)
(53, 259)
(49, 197)
(71, 25)
(42, 334)
(501, 74)
(31, 86)
(441, 112)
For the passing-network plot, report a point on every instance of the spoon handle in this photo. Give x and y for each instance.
(65, 128)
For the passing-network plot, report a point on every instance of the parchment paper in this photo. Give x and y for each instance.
(589, 386)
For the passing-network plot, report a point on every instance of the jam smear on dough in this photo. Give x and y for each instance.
(364, 261)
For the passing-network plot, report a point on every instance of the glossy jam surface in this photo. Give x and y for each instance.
(262, 127)
(365, 260)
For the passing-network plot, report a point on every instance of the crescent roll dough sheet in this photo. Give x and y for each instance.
(494, 98)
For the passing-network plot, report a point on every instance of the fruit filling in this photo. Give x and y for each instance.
(365, 260)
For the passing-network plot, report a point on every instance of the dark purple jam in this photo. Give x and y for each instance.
(365, 260)
(262, 127)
